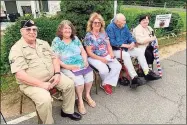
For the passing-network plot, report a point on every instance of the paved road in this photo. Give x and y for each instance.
(158, 102)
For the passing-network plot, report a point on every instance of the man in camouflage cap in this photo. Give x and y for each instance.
(37, 70)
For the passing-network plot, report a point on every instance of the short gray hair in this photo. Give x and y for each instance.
(118, 16)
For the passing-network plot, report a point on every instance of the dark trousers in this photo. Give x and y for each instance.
(149, 55)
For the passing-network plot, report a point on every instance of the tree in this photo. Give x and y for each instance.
(78, 12)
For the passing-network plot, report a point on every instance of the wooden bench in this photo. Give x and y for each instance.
(96, 78)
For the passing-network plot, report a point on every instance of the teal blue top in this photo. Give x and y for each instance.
(70, 53)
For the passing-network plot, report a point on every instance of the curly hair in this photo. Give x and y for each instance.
(94, 16)
(61, 26)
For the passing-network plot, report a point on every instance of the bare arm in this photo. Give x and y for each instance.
(83, 54)
(125, 45)
(94, 56)
(56, 64)
(91, 54)
(110, 49)
(69, 67)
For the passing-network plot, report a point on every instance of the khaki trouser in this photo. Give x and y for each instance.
(43, 100)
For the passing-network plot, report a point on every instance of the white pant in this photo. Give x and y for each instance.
(136, 52)
(108, 77)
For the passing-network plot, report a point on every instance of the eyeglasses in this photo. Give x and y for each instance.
(95, 23)
(33, 29)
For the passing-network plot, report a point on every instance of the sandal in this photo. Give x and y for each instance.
(82, 109)
(90, 102)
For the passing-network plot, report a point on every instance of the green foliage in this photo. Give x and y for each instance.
(175, 26)
(47, 30)
(183, 17)
(12, 34)
(131, 12)
(78, 12)
(8, 83)
(157, 3)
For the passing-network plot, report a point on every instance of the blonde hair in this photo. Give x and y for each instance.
(94, 16)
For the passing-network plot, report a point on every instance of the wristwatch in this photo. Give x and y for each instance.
(57, 73)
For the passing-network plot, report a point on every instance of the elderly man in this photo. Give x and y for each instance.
(37, 70)
(120, 36)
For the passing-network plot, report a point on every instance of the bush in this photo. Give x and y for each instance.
(133, 15)
(47, 29)
(175, 26)
(78, 12)
(130, 14)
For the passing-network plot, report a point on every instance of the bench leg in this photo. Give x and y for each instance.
(96, 86)
(39, 120)
(21, 109)
(21, 105)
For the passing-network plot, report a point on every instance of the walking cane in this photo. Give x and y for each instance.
(3, 117)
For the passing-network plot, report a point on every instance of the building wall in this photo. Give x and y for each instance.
(3, 6)
(54, 6)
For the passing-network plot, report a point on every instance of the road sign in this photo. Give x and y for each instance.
(162, 21)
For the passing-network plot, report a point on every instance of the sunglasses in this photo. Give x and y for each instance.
(95, 23)
(33, 29)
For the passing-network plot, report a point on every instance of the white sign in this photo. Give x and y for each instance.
(162, 21)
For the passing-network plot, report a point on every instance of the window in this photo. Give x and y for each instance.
(43, 5)
(26, 10)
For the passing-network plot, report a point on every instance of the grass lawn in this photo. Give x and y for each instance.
(131, 11)
(172, 40)
(8, 84)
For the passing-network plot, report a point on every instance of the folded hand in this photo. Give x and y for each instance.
(54, 80)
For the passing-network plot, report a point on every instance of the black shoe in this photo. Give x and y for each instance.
(140, 73)
(75, 116)
(152, 76)
(123, 81)
(136, 81)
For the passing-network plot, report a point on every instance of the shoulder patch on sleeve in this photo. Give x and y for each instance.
(11, 61)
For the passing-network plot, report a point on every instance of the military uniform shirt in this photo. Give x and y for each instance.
(37, 62)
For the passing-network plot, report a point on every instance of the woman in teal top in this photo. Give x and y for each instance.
(73, 61)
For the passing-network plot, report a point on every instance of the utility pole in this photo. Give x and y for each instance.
(115, 7)
(33, 8)
(164, 5)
